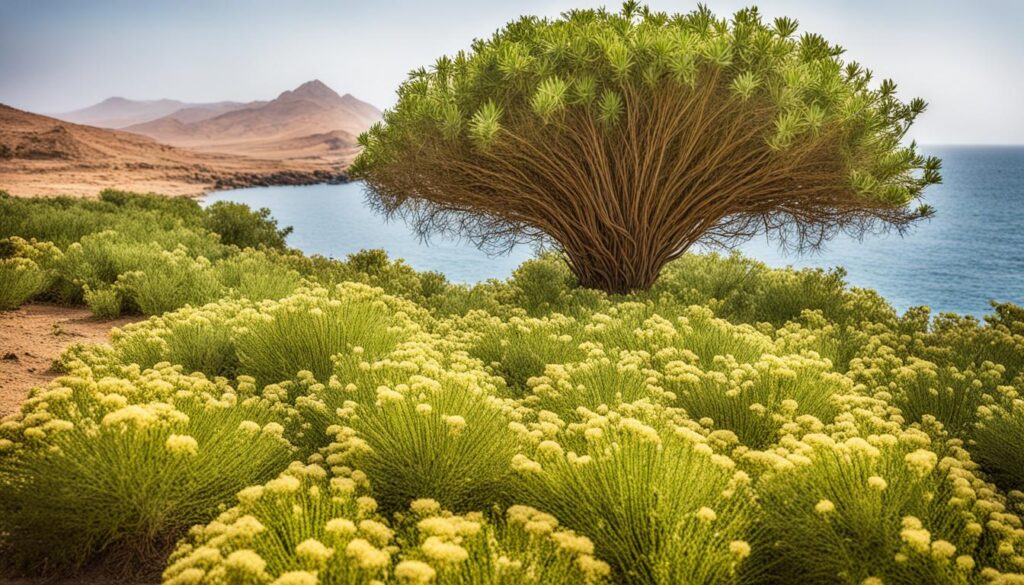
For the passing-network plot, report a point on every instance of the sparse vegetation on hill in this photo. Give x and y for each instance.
(323, 421)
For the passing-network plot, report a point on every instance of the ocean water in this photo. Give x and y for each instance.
(970, 252)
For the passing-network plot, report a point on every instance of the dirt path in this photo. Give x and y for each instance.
(32, 336)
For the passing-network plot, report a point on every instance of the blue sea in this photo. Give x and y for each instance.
(970, 252)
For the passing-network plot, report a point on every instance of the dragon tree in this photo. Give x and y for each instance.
(624, 139)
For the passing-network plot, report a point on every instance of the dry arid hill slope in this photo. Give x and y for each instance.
(310, 122)
(118, 112)
(45, 156)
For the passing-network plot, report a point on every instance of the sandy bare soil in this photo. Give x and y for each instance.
(32, 336)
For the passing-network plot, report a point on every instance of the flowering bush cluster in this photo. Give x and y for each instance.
(20, 280)
(305, 527)
(357, 422)
(123, 463)
(148, 254)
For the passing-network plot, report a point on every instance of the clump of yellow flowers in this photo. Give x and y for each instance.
(344, 434)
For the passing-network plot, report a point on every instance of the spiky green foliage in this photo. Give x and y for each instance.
(885, 508)
(299, 524)
(418, 429)
(670, 510)
(996, 440)
(307, 330)
(520, 137)
(143, 253)
(313, 329)
(105, 303)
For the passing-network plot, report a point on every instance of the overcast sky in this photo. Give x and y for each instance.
(966, 58)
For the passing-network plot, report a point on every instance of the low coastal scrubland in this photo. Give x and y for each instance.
(290, 419)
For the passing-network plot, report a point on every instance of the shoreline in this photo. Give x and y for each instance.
(33, 185)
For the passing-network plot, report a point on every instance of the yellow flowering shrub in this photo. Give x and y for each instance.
(996, 442)
(922, 388)
(734, 424)
(321, 331)
(598, 380)
(303, 526)
(419, 428)
(900, 508)
(659, 504)
(757, 399)
(20, 280)
(120, 466)
(169, 280)
(315, 329)
(200, 339)
(527, 546)
(308, 526)
(518, 348)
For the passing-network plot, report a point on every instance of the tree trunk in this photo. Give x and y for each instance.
(615, 275)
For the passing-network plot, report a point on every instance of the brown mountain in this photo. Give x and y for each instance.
(310, 122)
(118, 112)
(44, 156)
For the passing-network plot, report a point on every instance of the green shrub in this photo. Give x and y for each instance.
(755, 400)
(747, 291)
(313, 329)
(184, 208)
(98, 260)
(421, 431)
(729, 283)
(996, 442)
(166, 221)
(46, 256)
(373, 267)
(306, 330)
(598, 381)
(120, 467)
(659, 506)
(298, 524)
(104, 303)
(257, 275)
(529, 546)
(240, 226)
(667, 328)
(964, 343)
(199, 339)
(889, 508)
(304, 528)
(542, 283)
(923, 389)
(171, 280)
(520, 348)
(20, 280)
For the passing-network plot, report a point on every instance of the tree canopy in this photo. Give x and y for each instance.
(623, 139)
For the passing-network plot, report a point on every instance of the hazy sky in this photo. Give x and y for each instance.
(966, 58)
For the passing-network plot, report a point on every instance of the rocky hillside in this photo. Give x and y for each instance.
(118, 112)
(310, 122)
(40, 155)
